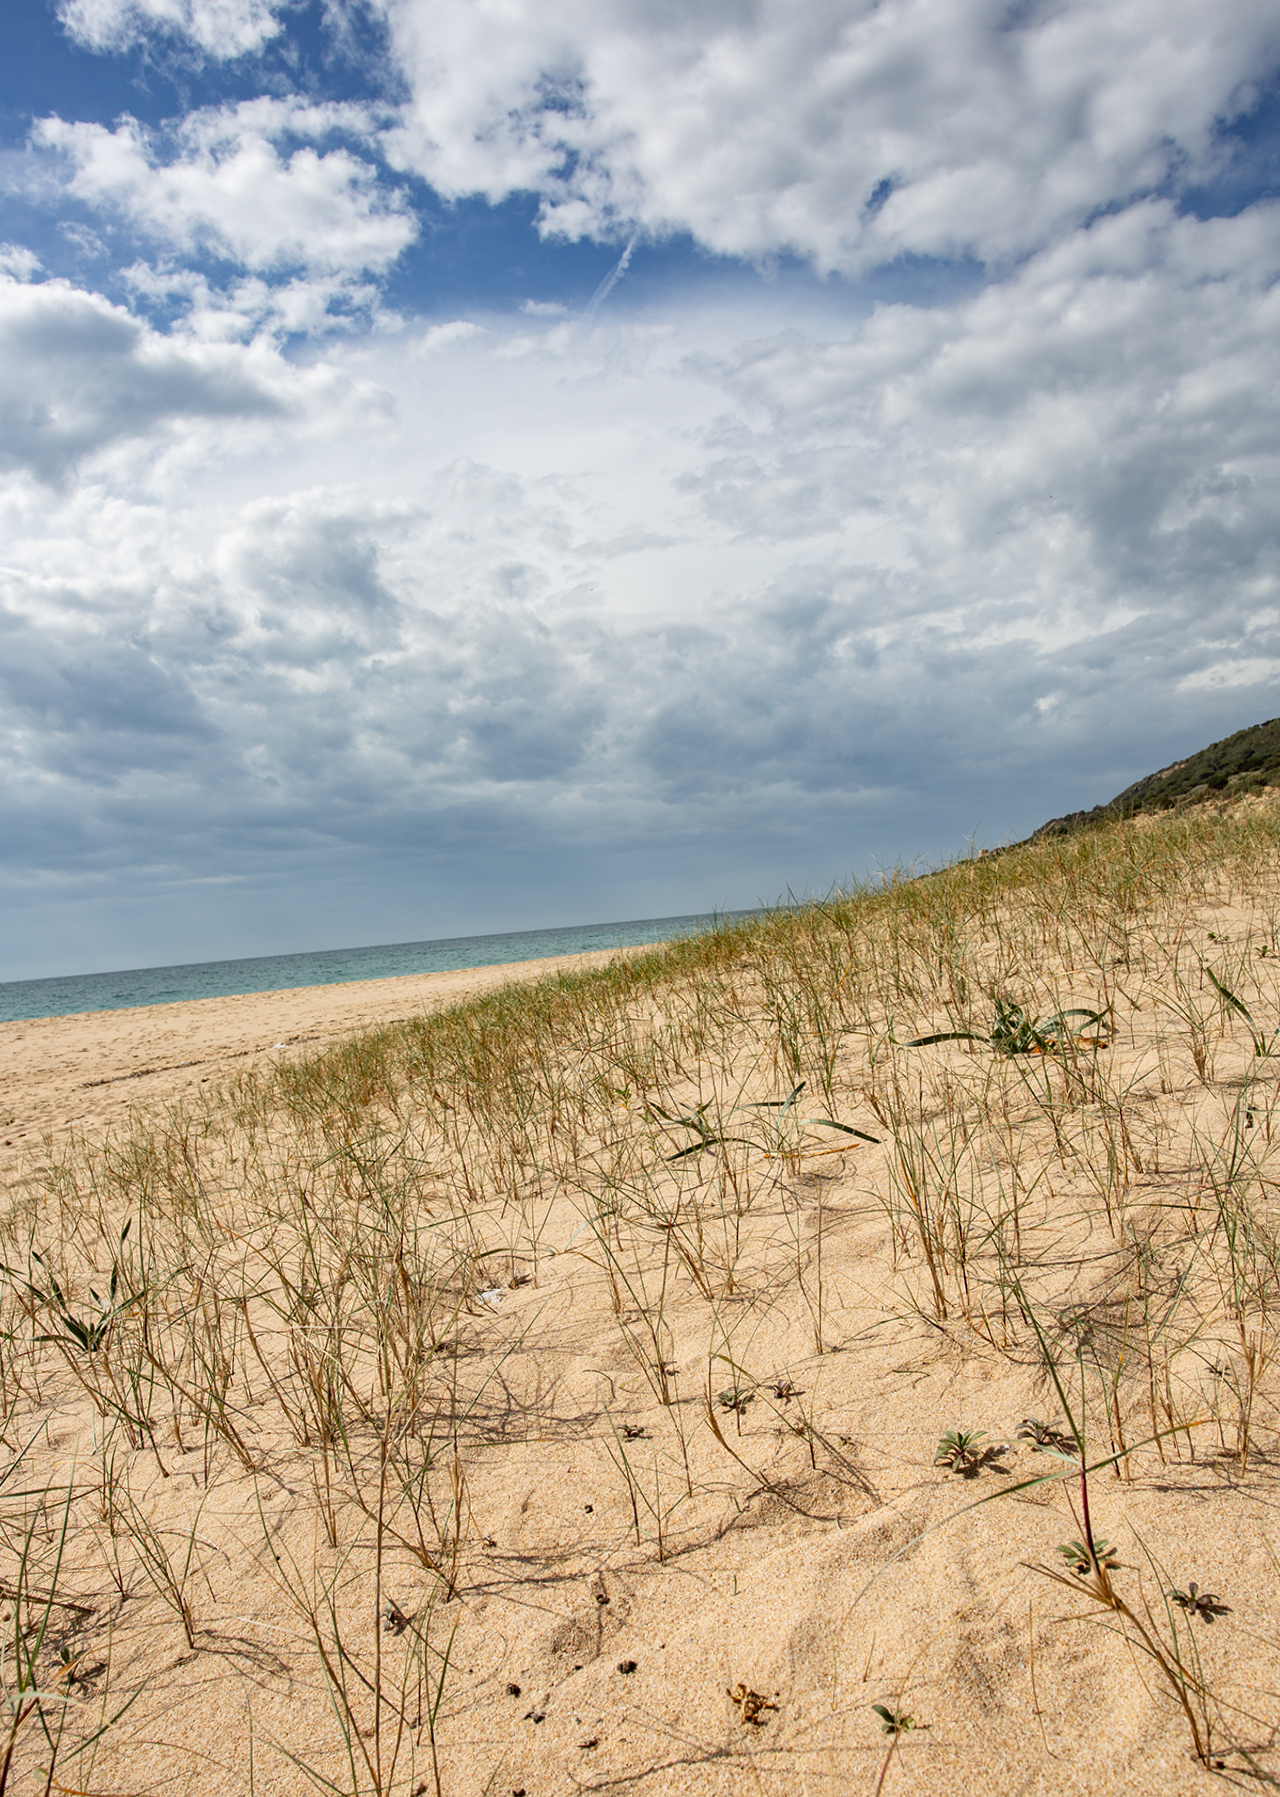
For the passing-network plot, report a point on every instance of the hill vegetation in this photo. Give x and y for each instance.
(1247, 762)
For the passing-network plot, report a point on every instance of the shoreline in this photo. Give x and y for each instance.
(88, 1070)
(138, 988)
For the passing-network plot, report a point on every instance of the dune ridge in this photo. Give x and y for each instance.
(681, 1373)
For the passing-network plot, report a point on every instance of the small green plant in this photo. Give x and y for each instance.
(962, 1452)
(958, 1447)
(1076, 1555)
(783, 1105)
(1015, 1032)
(894, 1722)
(1046, 1437)
(1204, 1604)
(696, 1121)
(87, 1333)
(1261, 1046)
(781, 1108)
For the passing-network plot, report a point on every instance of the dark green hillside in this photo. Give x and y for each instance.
(1245, 762)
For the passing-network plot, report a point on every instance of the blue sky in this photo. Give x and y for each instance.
(374, 567)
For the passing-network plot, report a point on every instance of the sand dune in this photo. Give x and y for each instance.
(550, 1397)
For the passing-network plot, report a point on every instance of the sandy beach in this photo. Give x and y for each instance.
(88, 1071)
(582, 1398)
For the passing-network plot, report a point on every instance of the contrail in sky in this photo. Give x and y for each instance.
(611, 280)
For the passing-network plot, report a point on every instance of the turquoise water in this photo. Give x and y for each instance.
(69, 993)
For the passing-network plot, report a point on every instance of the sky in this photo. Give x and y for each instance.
(471, 465)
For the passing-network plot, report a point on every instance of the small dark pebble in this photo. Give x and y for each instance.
(626, 1666)
(513, 1690)
(590, 1509)
(536, 1716)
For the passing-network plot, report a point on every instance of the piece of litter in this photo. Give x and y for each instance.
(493, 1295)
(279, 1045)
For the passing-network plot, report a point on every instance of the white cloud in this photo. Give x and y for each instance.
(221, 28)
(690, 582)
(846, 131)
(252, 308)
(80, 377)
(16, 260)
(223, 183)
(77, 374)
(1261, 672)
(440, 336)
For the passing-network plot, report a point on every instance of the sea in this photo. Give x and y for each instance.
(67, 994)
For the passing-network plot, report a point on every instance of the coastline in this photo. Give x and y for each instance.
(87, 1071)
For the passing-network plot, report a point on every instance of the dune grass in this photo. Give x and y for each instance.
(1054, 1071)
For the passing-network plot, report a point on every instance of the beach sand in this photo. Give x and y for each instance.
(87, 1072)
(633, 1575)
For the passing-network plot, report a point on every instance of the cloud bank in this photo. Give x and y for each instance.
(848, 134)
(529, 615)
(219, 28)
